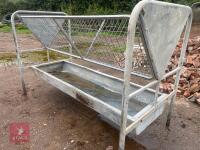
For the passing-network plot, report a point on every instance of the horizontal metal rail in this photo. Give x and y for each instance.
(143, 88)
(99, 63)
(153, 106)
(146, 111)
(65, 53)
(39, 12)
(78, 16)
(171, 72)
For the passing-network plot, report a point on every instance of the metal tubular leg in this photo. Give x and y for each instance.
(170, 111)
(48, 57)
(172, 101)
(21, 71)
(127, 74)
(21, 68)
(122, 140)
(186, 37)
(122, 136)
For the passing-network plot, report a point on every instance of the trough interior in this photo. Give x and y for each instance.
(102, 87)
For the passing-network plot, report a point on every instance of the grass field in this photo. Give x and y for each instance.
(6, 28)
(28, 57)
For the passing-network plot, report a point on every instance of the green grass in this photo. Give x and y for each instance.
(103, 33)
(21, 29)
(35, 56)
(7, 57)
(119, 49)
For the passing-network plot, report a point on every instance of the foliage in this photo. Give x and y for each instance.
(21, 29)
(75, 6)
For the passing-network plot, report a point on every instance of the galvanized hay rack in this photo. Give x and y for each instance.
(113, 41)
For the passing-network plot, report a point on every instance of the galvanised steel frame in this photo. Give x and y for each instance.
(126, 93)
(18, 51)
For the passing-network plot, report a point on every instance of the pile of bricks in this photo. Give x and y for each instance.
(189, 85)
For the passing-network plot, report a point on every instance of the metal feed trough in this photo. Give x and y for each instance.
(139, 45)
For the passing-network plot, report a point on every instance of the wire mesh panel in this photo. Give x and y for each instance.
(45, 33)
(38, 29)
(100, 39)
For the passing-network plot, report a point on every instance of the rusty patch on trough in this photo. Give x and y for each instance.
(84, 100)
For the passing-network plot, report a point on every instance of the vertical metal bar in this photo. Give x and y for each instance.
(100, 28)
(128, 66)
(156, 96)
(20, 65)
(127, 72)
(70, 36)
(123, 119)
(48, 56)
(157, 91)
(21, 68)
(181, 61)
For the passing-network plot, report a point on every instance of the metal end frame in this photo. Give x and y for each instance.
(18, 51)
(135, 15)
(114, 41)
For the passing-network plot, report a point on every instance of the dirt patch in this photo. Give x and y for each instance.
(183, 133)
(195, 30)
(26, 41)
(57, 121)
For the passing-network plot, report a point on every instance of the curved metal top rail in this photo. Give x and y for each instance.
(78, 16)
(28, 12)
(162, 23)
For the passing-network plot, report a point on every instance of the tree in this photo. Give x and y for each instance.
(77, 6)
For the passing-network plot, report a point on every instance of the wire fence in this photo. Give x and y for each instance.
(101, 39)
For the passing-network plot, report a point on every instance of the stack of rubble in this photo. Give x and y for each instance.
(189, 85)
